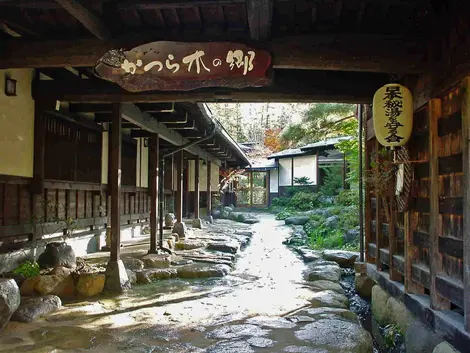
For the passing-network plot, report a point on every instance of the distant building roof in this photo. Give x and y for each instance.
(325, 143)
(262, 165)
(287, 153)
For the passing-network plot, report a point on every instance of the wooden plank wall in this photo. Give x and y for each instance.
(87, 204)
(427, 253)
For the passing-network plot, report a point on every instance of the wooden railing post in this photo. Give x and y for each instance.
(196, 188)
(435, 260)
(466, 198)
(154, 157)
(179, 188)
(209, 189)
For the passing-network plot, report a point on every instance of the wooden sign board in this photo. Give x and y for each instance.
(168, 66)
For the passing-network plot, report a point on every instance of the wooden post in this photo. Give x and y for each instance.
(251, 189)
(367, 203)
(435, 260)
(268, 187)
(209, 189)
(154, 156)
(39, 148)
(317, 175)
(292, 172)
(115, 179)
(466, 199)
(179, 188)
(186, 205)
(378, 221)
(196, 188)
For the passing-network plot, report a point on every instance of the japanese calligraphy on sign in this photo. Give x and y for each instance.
(393, 115)
(185, 66)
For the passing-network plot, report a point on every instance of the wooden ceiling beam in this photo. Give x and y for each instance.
(86, 17)
(259, 13)
(348, 52)
(288, 86)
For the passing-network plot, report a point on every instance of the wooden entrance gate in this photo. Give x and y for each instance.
(252, 190)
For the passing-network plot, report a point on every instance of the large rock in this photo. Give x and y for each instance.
(332, 222)
(308, 255)
(335, 335)
(116, 277)
(131, 276)
(230, 247)
(322, 285)
(343, 258)
(329, 299)
(63, 287)
(146, 276)
(57, 254)
(352, 235)
(203, 271)
(189, 244)
(90, 284)
(237, 331)
(233, 346)
(379, 306)
(9, 300)
(133, 264)
(157, 260)
(329, 313)
(32, 308)
(444, 347)
(180, 229)
(197, 223)
(61, 271)
(28, 285)
(399, 314)
(364, 285)
(169, 220)
(297, 220)
(324, 272)
(419, 339)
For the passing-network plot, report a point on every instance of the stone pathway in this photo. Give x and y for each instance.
(265, 304)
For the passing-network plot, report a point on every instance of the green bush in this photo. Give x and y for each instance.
(332, 181)
(27, 269)
(348, 198)
(304, 201)
(325, 238)
(283, 215)
(280, 202)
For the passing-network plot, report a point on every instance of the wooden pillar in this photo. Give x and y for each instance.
(179, 188)
(268, 187)
(367, 201)
(115, 179)
(466, 199)
(435, 260)
(292, 171)
(196, 188)
(317, 175)
(154, 156)
(209, 189)
(378, 221)
(39, 148)
(251, 189)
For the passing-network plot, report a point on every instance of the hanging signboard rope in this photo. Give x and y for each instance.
(182, 66)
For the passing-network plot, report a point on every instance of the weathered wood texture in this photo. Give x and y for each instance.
(22, 212)
(427, 250)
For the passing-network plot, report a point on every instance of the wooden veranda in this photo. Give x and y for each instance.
(322, 51)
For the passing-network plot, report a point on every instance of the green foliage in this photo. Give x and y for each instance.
(393, 335)
(283, 215)
(348, 198)
(323, 237)
(302, 181)
(333, 180)
(27, 269)
(304, 201)
(280, 202)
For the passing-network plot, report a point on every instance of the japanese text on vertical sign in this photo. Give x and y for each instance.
(393, 106)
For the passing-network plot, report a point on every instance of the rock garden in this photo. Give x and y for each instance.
(37, 288)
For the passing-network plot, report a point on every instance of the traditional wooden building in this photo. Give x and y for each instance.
(309, 51)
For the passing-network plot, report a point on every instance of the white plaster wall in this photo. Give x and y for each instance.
(104, 158)
(17, 125)
(285, 172)
(306, 166)
(273, 180)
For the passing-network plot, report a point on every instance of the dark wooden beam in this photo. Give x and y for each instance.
(466, 199)
(288, 86)
(115, 180)
(90, 108)
(341, 52)
(86, 17)
(259, 13)
(209, 189)
(39, 148)
(435, 259)
(179, 189)
(153, 184)
(153, 5)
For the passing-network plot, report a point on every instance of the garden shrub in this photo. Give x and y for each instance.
(27, 269)
(348, 198)
(304, 201)
(283, 215)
